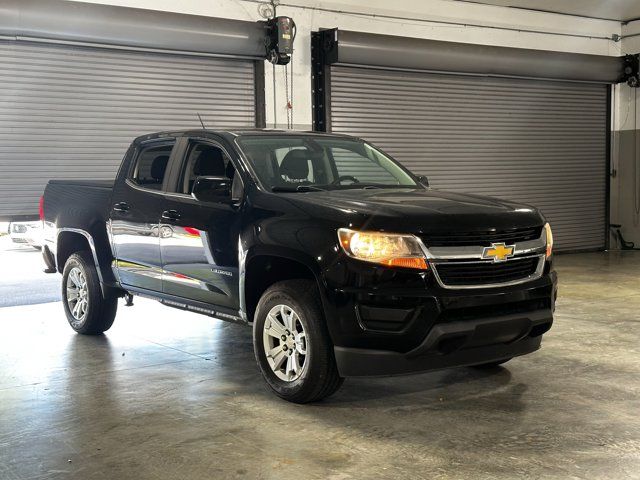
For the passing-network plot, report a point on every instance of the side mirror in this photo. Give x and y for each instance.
(424, 180)
(212, 189)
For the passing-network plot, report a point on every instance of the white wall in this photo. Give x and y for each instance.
(625, 185)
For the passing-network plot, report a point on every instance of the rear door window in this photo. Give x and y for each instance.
(150, 167)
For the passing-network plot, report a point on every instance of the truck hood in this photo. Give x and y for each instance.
(417, 211)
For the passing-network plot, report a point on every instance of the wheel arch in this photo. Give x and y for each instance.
(262, 269)
(71, 240)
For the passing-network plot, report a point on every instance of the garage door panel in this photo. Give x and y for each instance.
(71, 112)
(537, 142)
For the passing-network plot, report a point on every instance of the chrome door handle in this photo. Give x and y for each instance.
(121, 207)
(170, 215)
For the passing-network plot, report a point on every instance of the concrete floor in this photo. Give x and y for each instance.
(22, 279)
(168, 394)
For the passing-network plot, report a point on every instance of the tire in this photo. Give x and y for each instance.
(490, 365)
(95, 315)
(317, 376)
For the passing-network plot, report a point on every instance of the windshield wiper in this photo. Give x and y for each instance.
(299, 188)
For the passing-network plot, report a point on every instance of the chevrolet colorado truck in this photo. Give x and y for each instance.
(342, 261)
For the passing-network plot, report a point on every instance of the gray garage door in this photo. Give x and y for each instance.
(538, 142)
(70, 112)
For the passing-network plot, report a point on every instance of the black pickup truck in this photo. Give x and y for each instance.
(342, 261)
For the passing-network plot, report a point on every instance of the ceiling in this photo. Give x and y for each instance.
(620, 10)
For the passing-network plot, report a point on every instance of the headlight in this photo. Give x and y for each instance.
(547, 229)
(388, 249)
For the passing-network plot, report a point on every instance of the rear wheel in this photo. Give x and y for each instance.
(292, 345)
(88, 311)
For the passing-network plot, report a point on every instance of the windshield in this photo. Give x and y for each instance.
(302, 163)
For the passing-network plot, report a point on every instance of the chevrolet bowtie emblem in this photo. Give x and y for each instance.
(498, 252)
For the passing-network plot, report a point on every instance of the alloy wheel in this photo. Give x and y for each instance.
(285, 343)
(77, 295)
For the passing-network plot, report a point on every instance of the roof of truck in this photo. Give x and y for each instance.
(232, 133)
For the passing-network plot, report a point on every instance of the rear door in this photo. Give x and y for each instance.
(137, 205)
(199, 241)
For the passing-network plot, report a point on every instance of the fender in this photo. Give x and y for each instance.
(245, 255)
(104, 282)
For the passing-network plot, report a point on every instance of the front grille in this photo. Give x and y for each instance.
(483, 239)
(456, 274)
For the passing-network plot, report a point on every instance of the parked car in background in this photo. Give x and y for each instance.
(26, 233)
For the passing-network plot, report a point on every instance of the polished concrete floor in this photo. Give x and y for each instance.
(172, 395)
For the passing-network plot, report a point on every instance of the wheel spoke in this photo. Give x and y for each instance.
(277, 358)
(72, 294)
(284, 316)
(288, 319)
(293, 365)
(73, 275)
(276, 329)
(301, 343)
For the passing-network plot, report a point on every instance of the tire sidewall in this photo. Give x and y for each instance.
(309, 317)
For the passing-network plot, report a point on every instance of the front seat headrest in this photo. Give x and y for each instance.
(295, 164)
(158, 167)
(210, 163)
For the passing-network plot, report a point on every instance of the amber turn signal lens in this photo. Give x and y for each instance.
(408, 262)
(549, 235)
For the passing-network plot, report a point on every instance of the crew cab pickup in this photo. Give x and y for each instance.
(342, 261)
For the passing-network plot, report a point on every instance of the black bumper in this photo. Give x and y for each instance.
(408, 324)
(452, 344)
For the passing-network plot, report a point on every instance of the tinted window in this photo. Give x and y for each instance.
(150, 167)
(292, 161)
(203, 160)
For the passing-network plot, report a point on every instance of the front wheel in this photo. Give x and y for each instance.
(88, 311)
(292, 345)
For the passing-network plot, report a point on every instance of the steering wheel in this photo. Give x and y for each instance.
(339, 180)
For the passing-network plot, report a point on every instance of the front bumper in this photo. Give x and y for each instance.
(395, 322)
(452, 344)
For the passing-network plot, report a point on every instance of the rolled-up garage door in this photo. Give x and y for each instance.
(543, 143)
(70, 112)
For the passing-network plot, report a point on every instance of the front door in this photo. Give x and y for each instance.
(137, 206)
(199, 241)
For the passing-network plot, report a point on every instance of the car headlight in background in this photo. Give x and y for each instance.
(549, 235)
(392, 250)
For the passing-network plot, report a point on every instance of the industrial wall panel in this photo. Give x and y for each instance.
(542, 143)
(70, 112)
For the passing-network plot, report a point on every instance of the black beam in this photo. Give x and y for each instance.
(261, 121)
(324, 51)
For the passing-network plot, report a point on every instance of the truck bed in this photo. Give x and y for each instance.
(80, 207)
(77, 203)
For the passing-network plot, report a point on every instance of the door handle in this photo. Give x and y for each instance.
(170, 215)
(121, 207)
